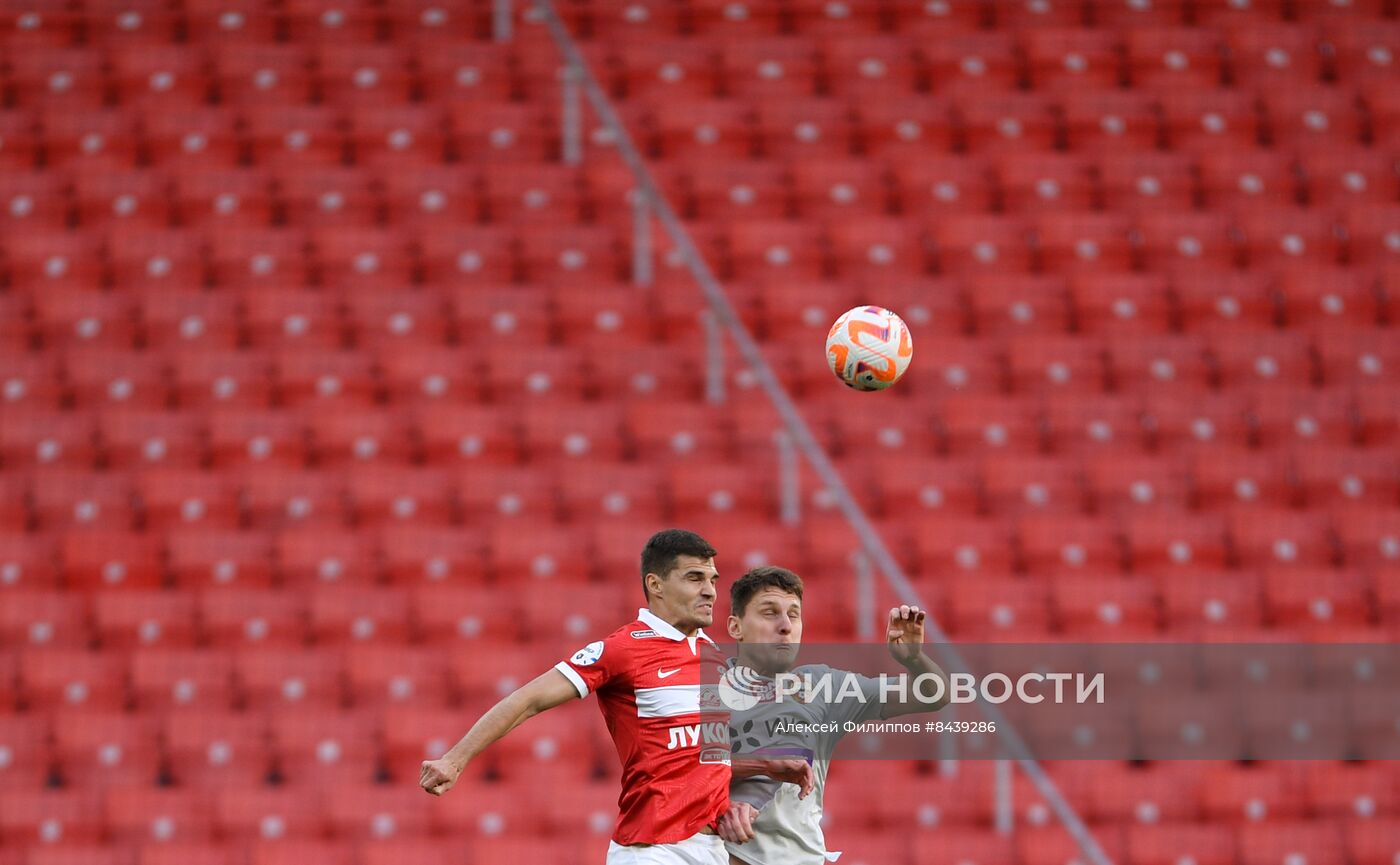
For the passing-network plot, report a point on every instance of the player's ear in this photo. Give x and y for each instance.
(653, 583)
(735, 628)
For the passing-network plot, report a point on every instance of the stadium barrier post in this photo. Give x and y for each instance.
(571, 120)
(789, 479)
(641, 240)
(714, 358)
(1002, 806)
(501, 21)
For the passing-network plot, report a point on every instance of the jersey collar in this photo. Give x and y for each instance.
(665, 628)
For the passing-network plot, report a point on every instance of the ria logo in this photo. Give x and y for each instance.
(742, 688)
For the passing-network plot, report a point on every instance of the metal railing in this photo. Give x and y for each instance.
(796, 437)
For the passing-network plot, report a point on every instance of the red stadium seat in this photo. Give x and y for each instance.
(1278, 56)
(24, 742)
(966, 545)
(44, 618)
(71, 678)
(863, 65)
(1264, 359)
(1229, 476)
(211, 196)
(1202, 120)
(1188, 542)
(1171, 59)
(1063, 58)
(343, 616)
(1007, 123)
(939, 185)
(324, 379)
(1063, 544)
(1226, 302)
(34, 201)
(481, 614)
(43, 817)
(750, 191)
(897, 129)
(272, 814)
(1324, 295)
(21, 143)
(251, 617)
(1197, 601)
(330, 197)
(248, 258)
(220, 751)
(384, 493)
(1309, 596)
(1348, 176)
(1247, 179)
(123, 748)
(505, 132)
(1000, 609)
(1315, 116)
(1168, 843)
(96, 558)
(156, 816)
(277, 498)
(220, 558)
(251, 437)
(1045, 183)
(359, 437)
(1186, 242)
(27, 561)
(802, 128)
(1106, 122)
(139, 438)
(1340, 477)
(125, 620)
(167, 679)
(285, 679)
(158, 77)
(779, 68)
(205, 138)
(1278, 538)
(970, 245)
(39, 438)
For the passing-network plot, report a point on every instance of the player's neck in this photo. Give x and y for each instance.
(687, 628)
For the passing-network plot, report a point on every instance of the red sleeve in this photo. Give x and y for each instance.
(594, 666)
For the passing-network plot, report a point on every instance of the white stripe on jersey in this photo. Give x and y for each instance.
(669, 701)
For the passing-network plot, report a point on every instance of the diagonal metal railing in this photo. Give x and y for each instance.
(577, 73)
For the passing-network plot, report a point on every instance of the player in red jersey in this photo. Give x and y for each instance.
(676, 764)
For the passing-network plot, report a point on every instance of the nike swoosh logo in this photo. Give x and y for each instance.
(661, 674)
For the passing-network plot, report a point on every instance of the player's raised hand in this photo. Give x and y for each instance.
(905, 633)
(438, 776)
(736, 824)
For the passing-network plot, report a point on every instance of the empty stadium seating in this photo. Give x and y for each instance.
(324, 386)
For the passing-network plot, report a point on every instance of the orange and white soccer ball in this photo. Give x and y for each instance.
(869, 348)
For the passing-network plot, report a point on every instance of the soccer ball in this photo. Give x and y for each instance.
(869, 348)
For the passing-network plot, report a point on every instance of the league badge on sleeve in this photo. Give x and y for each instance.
(588, 655)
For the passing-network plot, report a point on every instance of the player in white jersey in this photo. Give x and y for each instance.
(766, 620)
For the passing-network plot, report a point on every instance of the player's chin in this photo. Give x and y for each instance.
(705, 615)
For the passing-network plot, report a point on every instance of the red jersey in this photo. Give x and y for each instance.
(675, 760)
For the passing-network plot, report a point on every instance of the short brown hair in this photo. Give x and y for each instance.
(758, 579)
(665, 547)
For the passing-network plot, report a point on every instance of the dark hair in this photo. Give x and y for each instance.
(660, 554)
(758, 579)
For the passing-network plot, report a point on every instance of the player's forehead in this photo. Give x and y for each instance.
(776, 596)
(687, 563)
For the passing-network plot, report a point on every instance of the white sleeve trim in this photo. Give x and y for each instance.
(574, 678)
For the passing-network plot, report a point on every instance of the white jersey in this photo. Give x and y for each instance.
(788, 830)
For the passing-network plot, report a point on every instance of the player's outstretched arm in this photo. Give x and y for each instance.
(791, 771)
(543, 692)
(905, 634)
